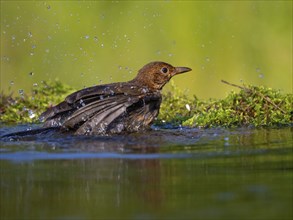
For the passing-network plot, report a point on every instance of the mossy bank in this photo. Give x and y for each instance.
(251, 106)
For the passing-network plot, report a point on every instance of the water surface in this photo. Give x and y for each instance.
(164, 173)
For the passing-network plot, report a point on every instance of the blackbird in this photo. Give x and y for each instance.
(114, 108)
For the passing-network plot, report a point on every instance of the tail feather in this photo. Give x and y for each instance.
(31, 132)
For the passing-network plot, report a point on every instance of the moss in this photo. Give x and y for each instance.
(176, 107)
(252, 106)
(26, 109)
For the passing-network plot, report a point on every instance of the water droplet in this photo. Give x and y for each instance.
(257, 70)
(41, 118)
(13, 37)
(21, 92)
(261, 75)
(11, 82)
(208, 59)
(35, 84)
(102, 45)
(81, 102)
(96, 38)
(47, 50)
(81, 74)
(187, 107)
(144, 90)
(119, 127)
(31, 113)
(202, 45)
(170, 54)
(5, 58)
(29, 34)
(31, 74)
(48, 7)
(86, 37)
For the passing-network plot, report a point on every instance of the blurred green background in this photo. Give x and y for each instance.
(93, 42)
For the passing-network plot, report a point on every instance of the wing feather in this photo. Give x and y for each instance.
(86, 112)
(98, 123)
(101, 109)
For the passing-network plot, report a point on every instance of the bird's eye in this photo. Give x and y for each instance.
(164, 70)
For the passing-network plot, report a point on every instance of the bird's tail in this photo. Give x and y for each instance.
(31, 132)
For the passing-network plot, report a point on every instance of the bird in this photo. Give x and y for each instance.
(115, 108)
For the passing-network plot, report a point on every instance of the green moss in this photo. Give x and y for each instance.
(175, 107)
(252, 106)
(26, 109)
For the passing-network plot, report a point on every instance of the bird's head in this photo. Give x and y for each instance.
(155, 75)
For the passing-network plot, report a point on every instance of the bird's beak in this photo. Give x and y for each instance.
(180, 70)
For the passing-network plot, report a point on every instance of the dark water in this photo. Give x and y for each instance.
(161, 174)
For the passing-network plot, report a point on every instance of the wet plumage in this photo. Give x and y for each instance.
(114, 108)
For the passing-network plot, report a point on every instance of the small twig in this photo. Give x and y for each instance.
(258, 93)
(271, 102)
(231, 84)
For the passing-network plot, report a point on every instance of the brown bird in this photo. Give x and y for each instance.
(113, 108)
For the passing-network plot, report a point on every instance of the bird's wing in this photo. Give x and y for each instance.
(124, 112)
(105, 102)
(92, 92)
(100, 121)
(78, 99)
(100, 109)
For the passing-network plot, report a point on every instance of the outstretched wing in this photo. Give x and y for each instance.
(75, 101)
(99, 114)
(91, 110)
